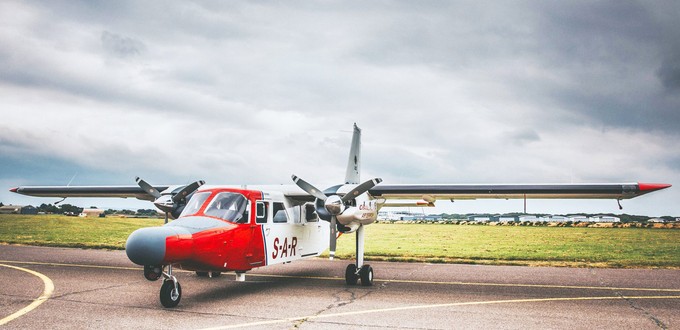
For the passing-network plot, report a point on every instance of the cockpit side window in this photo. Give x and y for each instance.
(195, 203)
(228, 206)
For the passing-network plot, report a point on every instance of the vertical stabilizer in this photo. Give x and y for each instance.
(353, 174)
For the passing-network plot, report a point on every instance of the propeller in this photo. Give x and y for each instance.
(172, 203)
(148, 188)
(334, 204)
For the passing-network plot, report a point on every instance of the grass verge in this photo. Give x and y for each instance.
(436, 243)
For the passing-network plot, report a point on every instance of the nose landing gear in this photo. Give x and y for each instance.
(171, 291)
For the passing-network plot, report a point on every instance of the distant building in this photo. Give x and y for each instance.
(18, 209)
(578, 218)
(529, 218)
(558, 218)
(480, 217)
(92, 213)
(605, 218)
(508, 218)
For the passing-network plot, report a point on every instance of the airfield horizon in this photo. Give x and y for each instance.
(433, 243)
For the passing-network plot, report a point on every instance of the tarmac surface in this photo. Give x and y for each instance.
(103, 289)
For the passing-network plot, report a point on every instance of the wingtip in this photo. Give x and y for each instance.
(647, 187)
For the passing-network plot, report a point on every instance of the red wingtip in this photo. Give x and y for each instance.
(647, 187)
(14, 189)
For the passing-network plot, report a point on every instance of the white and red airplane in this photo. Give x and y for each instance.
(238, 228)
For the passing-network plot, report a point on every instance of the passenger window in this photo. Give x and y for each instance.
(310, 212)
(261, 212)
(280, 215)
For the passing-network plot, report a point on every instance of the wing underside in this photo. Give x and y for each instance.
(514, 191)
(87, 191)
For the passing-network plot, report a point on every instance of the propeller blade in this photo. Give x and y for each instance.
(148, 188)
(304, 185)
(187, 190)
(360, 189)
(334, 238)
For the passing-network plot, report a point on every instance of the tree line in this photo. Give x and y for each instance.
(75, 210)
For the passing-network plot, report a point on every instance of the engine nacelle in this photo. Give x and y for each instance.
(354, 216)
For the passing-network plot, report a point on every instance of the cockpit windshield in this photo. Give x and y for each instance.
(229, 206)
(195, 203)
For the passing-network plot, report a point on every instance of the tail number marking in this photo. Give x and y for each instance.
(286, 249)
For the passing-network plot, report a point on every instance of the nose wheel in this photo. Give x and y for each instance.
(171, 291)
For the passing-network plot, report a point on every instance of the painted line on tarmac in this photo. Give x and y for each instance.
(66, 265)
(404, 308)
(544, 286)
(47, 293)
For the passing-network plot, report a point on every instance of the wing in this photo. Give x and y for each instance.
(87, 191)
(430, 193)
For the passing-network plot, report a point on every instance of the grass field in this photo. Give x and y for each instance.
(539, 246)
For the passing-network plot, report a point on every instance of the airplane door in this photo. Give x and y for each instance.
(315, 235)
(258, 232)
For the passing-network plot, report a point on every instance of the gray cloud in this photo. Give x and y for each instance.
(249, 92)
(669, 74)
(120, 46)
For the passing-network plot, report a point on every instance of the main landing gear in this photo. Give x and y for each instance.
(357, 271)
(353, 274)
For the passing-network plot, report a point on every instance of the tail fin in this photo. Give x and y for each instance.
(353, 174)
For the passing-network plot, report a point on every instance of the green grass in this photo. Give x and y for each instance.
(544, 246)
(59, 230)
(509, 245)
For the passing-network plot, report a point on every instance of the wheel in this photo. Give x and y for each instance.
(202, 274)
(152, 273)
(169, 296)
(366, 274)
(215, 274)
(351, 277)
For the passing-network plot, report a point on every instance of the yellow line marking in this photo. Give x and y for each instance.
(47, 292)
(403, 308)
(546, 286)
(66, 265)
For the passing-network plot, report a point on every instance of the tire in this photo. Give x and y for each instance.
(215, 274)
(170, 298)
(366, 274)
(351, 277)
(202, 274)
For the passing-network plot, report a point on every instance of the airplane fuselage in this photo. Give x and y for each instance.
(230, 229)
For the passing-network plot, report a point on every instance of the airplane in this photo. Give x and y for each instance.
(238, 228)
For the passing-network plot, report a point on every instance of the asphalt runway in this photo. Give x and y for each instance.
(103, 289)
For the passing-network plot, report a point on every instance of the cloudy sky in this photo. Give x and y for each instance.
(98, 92)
